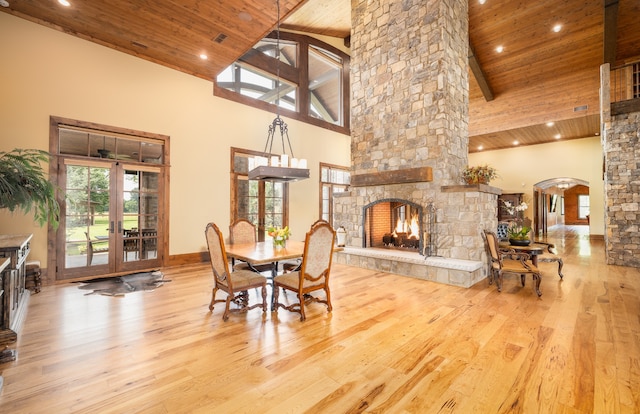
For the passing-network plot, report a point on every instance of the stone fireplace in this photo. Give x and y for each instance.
(409, 139)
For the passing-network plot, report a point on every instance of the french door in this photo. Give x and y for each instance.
(110, 217)
(263, 203)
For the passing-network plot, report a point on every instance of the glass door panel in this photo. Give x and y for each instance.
(86, 216)
(140, 207)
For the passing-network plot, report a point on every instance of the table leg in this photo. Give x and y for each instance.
(274, 273)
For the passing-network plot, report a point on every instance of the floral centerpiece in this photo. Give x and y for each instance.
(279, 236)
(517, 231)
(481, 174)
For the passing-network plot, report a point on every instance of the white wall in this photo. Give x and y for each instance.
(522, 167)
(45, 72)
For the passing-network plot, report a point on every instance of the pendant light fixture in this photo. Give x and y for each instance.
(284, 167)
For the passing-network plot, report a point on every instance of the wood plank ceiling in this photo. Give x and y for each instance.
(541, 76)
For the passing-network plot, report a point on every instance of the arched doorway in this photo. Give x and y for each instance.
(560, 201)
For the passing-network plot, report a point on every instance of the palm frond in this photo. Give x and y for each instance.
(24, 185)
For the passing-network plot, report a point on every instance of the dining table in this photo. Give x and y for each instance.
(262, 253)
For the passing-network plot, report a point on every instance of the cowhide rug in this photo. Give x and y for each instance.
(121, 285)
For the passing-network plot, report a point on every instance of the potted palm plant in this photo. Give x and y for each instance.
(25, 187)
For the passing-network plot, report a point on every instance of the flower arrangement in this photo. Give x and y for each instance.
(517, 230)
(279, 235)
(482, 174)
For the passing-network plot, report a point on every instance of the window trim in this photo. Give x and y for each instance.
(235, 177)
(299, 75)
(321, 185)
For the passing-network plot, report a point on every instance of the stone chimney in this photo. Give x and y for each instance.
(409, 120)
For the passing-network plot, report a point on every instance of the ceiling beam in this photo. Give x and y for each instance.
(610, 31)
(479, 75)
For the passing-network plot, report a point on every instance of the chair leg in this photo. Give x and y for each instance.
(328, 294)
(225, 315)
(302, 314)
(213, 298)
(264, 298)
(536, 279)
(560, 264)
(499, 281)
(522, 280)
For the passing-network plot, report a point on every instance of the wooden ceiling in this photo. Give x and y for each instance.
(541, 76)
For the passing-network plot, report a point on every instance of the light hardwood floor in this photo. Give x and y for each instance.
(393, 344)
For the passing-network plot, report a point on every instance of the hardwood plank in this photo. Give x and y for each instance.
(392, 344)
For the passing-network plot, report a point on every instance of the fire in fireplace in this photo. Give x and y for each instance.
(394, 224)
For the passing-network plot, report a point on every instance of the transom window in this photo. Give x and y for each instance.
(310, 83)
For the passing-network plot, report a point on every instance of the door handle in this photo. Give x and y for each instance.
(119, 227)
(111, 227)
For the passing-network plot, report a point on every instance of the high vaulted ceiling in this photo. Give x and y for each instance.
(541, 76)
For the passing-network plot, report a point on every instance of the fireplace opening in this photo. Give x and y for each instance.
(393, 224)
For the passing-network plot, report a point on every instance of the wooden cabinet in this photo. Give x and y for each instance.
(15, 297)
(514, 199)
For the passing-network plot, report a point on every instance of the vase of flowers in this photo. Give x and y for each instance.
(482, 174)
(279, 235)
(518, 232)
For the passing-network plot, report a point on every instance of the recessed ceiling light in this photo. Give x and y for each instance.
(558, 136)
(550, 124)
(482, 1)
(480, 147)
(64, 3)
(244, 16)
(557, 28)
(499, 49)
(4, 3)
(516, 142)
(203, 56)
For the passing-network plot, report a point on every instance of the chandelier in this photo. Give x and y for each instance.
(283, 167)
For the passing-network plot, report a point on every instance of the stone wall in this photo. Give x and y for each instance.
(621, 142)
(410, 86)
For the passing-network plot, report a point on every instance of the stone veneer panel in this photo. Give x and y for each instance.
(621, 142)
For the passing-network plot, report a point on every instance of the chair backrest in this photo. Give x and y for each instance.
(218, 255)
(319, 221)
(242, 231)
(502, 230)
(318, 253)
(493, 248)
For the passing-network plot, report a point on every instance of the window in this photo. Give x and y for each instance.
(263, 203)
(313, 80)
(583, 206)
(333, 179)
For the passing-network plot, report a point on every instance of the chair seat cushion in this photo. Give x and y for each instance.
(292, 281)
(515, 266)
(243, 279)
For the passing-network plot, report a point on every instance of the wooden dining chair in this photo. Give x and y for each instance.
(243, 231)
(508, 261)
(313, 274)
(235, 284)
